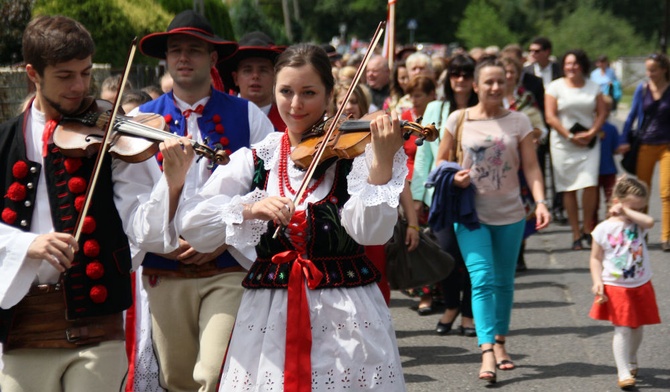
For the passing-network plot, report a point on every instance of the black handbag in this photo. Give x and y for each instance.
(579, 128)
(629, 159)
(425, 265)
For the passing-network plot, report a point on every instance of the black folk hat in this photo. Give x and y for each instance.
(332, 53)
(256, 44)
(187, 23)
(252, 45)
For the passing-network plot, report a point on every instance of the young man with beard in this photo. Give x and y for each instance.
(61, 320)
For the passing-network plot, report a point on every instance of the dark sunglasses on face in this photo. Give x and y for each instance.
(465, 75)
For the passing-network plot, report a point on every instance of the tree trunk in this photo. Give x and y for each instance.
(287, 20)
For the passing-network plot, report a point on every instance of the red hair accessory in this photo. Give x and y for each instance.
(9, 216)
(72, 164)
(16, 192)
(98, 293)
(95, 270)
(91, 248)
(77, 185)
(20, 169)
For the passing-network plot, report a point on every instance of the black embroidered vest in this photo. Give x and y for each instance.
(99, 281)
(341, 259)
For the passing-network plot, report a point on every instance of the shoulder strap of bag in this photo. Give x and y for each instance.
(456, 154)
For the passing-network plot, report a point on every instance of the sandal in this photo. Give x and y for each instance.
(488, 375)
(507, 363)
(577, 244)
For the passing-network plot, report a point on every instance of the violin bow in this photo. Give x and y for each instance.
(333, 124)
(105, 140)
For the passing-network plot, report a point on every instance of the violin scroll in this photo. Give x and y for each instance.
(423, 133)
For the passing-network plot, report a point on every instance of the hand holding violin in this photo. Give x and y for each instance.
(177, 159)
(386, 141)
(278, 209)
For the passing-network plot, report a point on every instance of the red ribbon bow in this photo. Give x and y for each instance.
(297, 360)
(198, 110)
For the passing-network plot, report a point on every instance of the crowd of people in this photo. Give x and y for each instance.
(179, 273)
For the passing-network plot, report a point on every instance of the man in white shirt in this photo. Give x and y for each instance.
(541, 66)
(193, 296)
(64, 281)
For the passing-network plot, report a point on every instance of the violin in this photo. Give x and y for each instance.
(350, 138)
(133, 139)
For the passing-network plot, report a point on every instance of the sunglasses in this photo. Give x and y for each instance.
(465, 75)
(535, 50)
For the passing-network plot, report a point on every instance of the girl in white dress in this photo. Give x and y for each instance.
(621, 274)
(312, 317)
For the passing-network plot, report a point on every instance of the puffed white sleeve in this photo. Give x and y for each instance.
(17, 271)
(141, 197)
(372, 210)
(214, 215)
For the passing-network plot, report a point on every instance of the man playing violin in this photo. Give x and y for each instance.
(61, 299)
(193, 296)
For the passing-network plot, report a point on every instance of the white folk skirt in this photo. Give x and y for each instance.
(353, 342)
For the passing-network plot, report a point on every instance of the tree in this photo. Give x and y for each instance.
(481, 25)
(596, 32)
(15, 15)
(246, 17)
(216, 13)
(112, 23)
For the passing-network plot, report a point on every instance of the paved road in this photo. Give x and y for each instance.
(554, 343)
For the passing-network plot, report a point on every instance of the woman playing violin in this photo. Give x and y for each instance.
(311, 315)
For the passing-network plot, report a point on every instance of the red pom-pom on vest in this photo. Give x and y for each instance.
(72, 164)
(168, 118)
(91, 248)
(77, 185)
(224, 141)
(79, 202)
(20, 169)
(159, 157)
(89, 225)
(219, 128)
(9, 216)
(95, 270)
(16, 192)
(216, 118)
(98, 293)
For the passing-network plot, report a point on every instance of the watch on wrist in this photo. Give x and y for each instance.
(541, 202)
